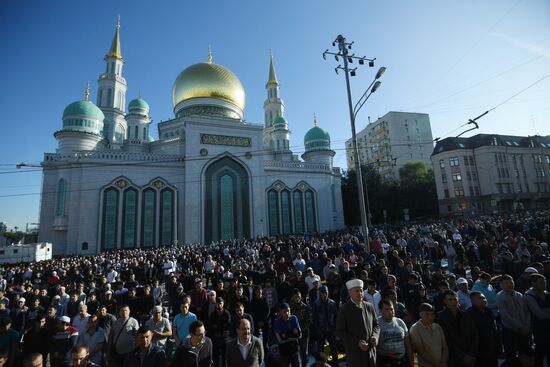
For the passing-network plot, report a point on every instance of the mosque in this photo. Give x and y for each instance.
(210, 176)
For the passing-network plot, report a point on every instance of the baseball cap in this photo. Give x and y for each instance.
(21, 300)
(65, 319)
(461, 281)
(285, 306)
(530, 269)
(323, 288)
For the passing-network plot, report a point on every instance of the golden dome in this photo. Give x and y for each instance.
(208, 80)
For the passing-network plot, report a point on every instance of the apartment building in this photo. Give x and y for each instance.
(393, 140)
(489, 173)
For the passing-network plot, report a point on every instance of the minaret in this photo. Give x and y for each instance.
(111, 93)
(276, 132)
(273, 105)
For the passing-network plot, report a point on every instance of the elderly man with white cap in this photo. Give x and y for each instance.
(160, 327)
(358, 328)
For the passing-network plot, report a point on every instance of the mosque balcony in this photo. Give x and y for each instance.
(285, 165)
(60, 223)
(111, 156)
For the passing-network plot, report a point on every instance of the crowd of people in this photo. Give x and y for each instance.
(453, 292)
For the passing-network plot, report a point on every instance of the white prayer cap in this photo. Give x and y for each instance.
(354, 283)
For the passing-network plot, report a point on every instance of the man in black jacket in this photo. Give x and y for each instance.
(146, 354)
(218, 331)
(460, 332)
(489, 338)
(195, 351)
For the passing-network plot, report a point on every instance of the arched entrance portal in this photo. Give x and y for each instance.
(227, 208)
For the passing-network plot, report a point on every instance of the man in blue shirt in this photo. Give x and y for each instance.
(288, 332)
(180, 327)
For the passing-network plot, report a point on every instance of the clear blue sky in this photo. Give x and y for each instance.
(450, 59)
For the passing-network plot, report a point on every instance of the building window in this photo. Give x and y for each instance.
(110, 219)
(457, 177)
(84, 246)
(444, 178)
(446, 191)
(310, 211)
(166, 216)
(100, 97)
(459, 191)
(285, 212)
(462, 206)
(471, 160)
(453, 161)
(109, 97)
(466, 160)
(449, 208)
(149, 203)
(298, 210)
(61, 194)
(273, 210)
(476, 190)
(129, 218)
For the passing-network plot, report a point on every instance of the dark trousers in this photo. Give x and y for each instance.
(218, 351)
(487, 361)
(304, 348)
(513, 342)
(542, 350)
(292, 360)
(330, 337)
(382, 361)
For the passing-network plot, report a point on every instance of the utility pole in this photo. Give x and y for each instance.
(343, 52)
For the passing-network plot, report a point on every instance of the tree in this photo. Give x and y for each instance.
(416, 192)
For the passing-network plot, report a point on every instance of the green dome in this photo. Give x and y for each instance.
(138, 103)
(279, 120)
(317, 139)
(85, 109)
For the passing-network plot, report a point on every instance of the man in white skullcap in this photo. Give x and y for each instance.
(358, 328)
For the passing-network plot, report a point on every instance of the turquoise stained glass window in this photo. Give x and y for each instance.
(110, 218)
(129, 216)
(148, 221)
(310, 211)
(60, 202)
(226, 207)
(298, 212)
(166, 216)
(285, 212)
(272, 204)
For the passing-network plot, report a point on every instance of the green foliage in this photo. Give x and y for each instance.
(416, 191)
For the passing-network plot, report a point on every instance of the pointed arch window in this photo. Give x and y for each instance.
(297, 198)
(149, 205)
(129, 218)
(136, 132)
(144, 133)
(110, 219)
(60, 202)
(310, 211)
(166, 216)
(286, 210)
(273, 210)
(100, 97)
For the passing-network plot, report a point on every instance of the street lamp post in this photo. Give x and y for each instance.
(343, 52)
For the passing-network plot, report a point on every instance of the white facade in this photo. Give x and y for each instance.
(30, 252)
(393, 140)
(211, 176)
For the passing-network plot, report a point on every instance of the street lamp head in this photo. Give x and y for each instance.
(380, 72)
(375, 86)
(336, 57)
(352, 72)
(371, 63)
